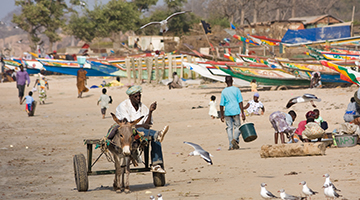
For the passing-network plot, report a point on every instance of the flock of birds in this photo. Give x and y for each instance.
(329, 191)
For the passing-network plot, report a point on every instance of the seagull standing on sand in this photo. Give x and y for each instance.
(159, 197)
(304, 98)
(200, 151)
(285, 196)
(330, 192)
(306, 190)
(266, 194)
(152, 197)
(329, 183)
(163, 24)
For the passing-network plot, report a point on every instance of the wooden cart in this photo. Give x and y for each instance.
(82, 167)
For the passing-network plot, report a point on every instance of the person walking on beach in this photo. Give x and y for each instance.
(21, 77)
(232, 101)
(212, 107)
(43, 86)
(29, 103)
(81, 80)
(104, 101)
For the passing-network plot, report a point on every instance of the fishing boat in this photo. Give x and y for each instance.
(213, 66)
(305, 69)
(268, 77)
(204, 72)
(31, 66)
(70, 67)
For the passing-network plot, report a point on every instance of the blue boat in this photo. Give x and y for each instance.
(71, 67)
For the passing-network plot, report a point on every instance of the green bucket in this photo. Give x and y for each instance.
(248, 132)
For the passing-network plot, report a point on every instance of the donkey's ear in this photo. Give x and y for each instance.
(115, 118)
(136, 121)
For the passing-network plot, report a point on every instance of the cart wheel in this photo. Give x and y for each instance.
(159, 178)
(80, 172)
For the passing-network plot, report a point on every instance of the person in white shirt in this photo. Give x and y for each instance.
(132, 109)
(254, 106)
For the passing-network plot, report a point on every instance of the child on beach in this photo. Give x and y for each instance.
(318, 119)
(104, 101)
(212, 107)
(253, 86)
(29, 100)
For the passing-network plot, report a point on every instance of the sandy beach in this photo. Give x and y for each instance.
(36, 153)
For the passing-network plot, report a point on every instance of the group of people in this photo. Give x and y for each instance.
(41, 85)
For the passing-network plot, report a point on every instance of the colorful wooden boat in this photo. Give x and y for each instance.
(69, 67)
(266, 76)
(304, 70)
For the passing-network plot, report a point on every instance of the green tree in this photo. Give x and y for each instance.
(143, 5)
(104, 20)
(41, 16)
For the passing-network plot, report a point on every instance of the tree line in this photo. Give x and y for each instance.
(52, 17)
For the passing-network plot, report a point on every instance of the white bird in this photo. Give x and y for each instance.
(200, 151)
(266, 194)
(16, 27)
(285, 196)
(159, 197)
(304, 98)
(328, 182)
(330, 192)
(20, 41)
(2, 23)
(163, 23)
(152, 197)
(306, 190)
(82, 3)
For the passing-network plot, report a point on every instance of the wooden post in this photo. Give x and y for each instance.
(182, 67)
(170, 66)
(264, 51)
(139, 64)
(133, 69)
(128, 69)
(352, 22)
(149, 65)
(156, 62)
(163, 68)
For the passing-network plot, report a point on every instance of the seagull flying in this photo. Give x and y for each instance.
(306, 190)
(304, 98)
(266, 194)
(16, 27)
(200, 151)
(328, 182)
(330, 192)
(163, 23)
(285, 196)
(83, 4)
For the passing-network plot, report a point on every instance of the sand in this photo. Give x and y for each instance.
(36, 153)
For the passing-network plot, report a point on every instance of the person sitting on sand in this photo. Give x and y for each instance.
(301, 126)
(318, 119)
(315, 80)
(282, 123)
(254, 106)
(352, 111)
(176, 83)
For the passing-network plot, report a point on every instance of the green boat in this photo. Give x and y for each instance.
(269, 77)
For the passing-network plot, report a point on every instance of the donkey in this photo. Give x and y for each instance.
(121, 148)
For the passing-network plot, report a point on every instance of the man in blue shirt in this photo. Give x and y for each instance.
(232, 100)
